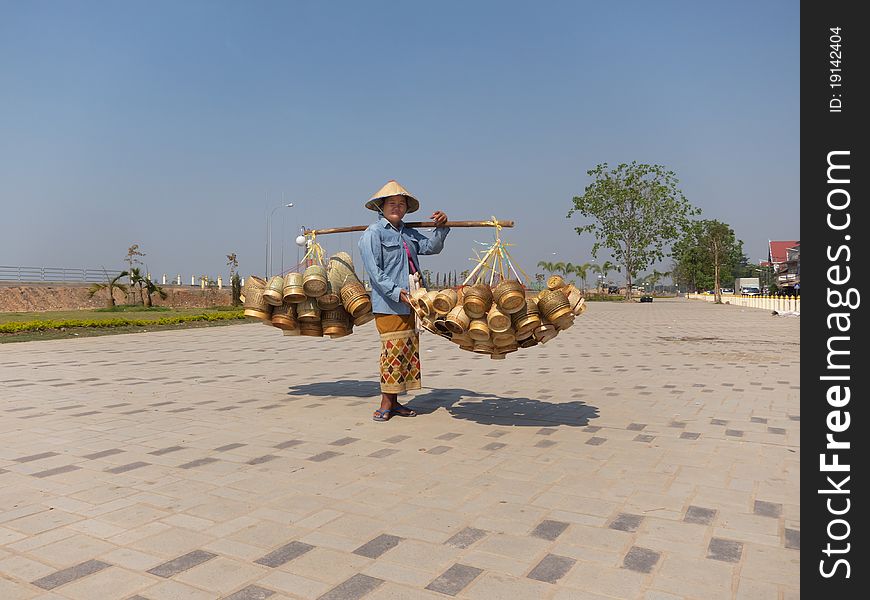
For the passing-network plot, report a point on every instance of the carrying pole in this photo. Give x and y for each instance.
(412, 224)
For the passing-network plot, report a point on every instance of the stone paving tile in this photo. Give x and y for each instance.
(641, 559)
(552, 568)
(229, 447)
(793, 539)
(352, 589)
(377, 546)
(724, 550)
(182, 563)
(626, 522)
(454, 580)
(56, 471)
(284, 554)
(32, 457)
(549, 530)
(324, 456)
(251, 592)
(383, 453)
(197, 463)
(288, 444)
(466, 537)
(699, 515)
(767, 509)
(59, 578)
(103, 454)
(127, 467)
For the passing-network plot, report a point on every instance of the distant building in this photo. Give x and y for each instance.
(785, 259)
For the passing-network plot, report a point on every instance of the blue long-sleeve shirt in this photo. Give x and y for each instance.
(386, 261)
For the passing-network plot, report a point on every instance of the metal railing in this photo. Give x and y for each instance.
(780, 304)
(52, 274)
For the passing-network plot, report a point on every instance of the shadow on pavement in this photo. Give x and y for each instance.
(486, 409)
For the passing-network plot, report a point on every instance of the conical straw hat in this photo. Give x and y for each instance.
(392, 188)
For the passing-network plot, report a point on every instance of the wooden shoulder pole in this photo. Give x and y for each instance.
(412, 224)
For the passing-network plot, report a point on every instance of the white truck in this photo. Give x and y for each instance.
(747, 285)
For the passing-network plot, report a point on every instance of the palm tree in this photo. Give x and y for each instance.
(138, 281)
(607, 267)
(582, 271)
(109, 286)
(150, 289)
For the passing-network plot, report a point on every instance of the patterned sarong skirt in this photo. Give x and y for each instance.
(400, 353)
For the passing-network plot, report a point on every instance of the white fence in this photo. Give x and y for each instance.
(780, 304)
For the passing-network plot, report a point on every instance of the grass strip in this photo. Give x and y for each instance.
(117, 322)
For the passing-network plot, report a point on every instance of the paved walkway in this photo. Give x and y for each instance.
(651, 451)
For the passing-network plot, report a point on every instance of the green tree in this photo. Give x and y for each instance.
(109, 286)
(132, 258)
(235, 280)
(708, 252)
(582, 272)
(150, 288)
(639, 210)
(137, 282)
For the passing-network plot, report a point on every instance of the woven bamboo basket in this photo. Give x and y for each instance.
(505, 338)
(293, 287)
(545, 333)
(342, 264)
(478, 330)
(425, 306)
(483, 347)
(363, 318)
(497, 320)
(528, 318)
(314, 281)
(284, 316)
(274, 292)
(477, 300)
(355, 299)
(307, 311)
(311, 328)
(555, 282)
(329, 300)
(255, 302)
(335, 322)
(509, 295)
(553, 304)
(457, 320)
(444, 301)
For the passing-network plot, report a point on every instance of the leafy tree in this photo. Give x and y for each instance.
(582, 272)
(137, 281)
(547, 266)
(638, 209)
(708, 252)
(132, 258)
(235, 280)
(109, 286)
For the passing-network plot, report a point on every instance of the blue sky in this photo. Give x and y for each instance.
(180, 125)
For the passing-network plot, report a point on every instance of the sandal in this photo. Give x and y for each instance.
(403, 411)
(382, 415)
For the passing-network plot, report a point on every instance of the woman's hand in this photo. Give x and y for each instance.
(404, 297)
(439, 217)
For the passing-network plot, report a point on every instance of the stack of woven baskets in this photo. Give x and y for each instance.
(499, 320)
(321, 301)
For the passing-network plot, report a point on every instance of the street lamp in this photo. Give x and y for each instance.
(269, 237)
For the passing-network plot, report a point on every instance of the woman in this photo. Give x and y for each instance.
(389, 252)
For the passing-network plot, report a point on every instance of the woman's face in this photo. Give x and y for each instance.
(395, 208)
